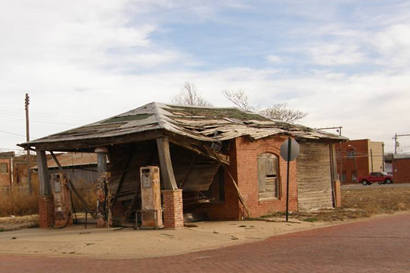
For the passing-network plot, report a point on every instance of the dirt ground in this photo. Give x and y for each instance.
(358, 203)
(129, 243)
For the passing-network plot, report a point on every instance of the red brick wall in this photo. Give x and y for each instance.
(173, 210)
(359, 163)
(244, 169)
(229, 208)
(401, 170)
(46, 211)
(247, 167)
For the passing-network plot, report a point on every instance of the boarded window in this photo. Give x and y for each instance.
(268, 165)
(4, 168)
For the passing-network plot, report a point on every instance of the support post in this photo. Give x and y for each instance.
(46, 204)
(167, 172)
(101, 159)
(287, 178)
(43, 173)
(103, 191)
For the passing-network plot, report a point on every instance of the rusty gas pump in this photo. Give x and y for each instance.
(62, 201)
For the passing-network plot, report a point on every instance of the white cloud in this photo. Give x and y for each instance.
(274, 59)
(336, 54)
(393, 44)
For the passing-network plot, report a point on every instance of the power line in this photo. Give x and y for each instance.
(10, 133)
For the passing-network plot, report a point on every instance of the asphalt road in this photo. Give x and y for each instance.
(377, 245)
(376, 185)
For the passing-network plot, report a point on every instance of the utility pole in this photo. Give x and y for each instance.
(26, 104)
(396, 142)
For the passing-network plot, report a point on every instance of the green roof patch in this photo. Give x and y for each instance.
(127, 118)
(214, 113)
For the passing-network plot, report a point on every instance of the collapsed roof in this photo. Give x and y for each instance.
(207, 124)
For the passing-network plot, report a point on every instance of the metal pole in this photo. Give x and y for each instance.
(371, 158)
(395, 143)
(287, 180)
(27, 103)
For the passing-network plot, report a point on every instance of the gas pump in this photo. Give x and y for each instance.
(62, 201)
(151, 212)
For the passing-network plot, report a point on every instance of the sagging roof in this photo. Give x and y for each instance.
(201, 123)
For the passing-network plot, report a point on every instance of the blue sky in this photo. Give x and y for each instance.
(346, 63)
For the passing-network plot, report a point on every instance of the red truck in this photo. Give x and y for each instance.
(379, 177)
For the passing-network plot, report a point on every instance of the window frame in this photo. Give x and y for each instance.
(276, 194)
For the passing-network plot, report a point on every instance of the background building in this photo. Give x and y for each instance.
(401, 168)
(359, 158)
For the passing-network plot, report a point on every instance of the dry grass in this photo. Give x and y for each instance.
(365, 202)
(377, 200)
(19, 202)
(359, 203)
(90, 197)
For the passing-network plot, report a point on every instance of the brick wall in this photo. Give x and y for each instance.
(244, 169)
(358, 164)
(401, 170)
(229, 209)
(46, 211)
(247, 174)
(173, 209)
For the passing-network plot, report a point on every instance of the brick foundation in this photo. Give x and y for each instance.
(46, 211)
(173, 209)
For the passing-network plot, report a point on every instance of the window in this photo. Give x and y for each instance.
(4, 168)
(343, 178)
(268, 174)
(354, 176)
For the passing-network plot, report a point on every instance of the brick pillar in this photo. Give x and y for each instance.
(173, 209)
(338, 194)
(46, 211)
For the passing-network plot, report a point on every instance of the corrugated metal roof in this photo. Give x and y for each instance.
(200, 123)
(401, 156)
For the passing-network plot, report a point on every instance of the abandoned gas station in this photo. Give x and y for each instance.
(159, 162)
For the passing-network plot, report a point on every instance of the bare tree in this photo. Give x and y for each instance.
(276, 111)
(239, 98)
(189, 96)
(282, 112)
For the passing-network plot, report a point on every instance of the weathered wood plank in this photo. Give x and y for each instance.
(43, 173)
(88, 145)
(167, 172)
(71, 186)
(199, 148)
(314, 176)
